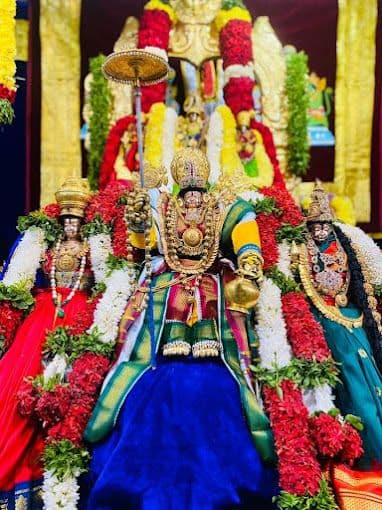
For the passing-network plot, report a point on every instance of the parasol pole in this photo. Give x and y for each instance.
(137, 68)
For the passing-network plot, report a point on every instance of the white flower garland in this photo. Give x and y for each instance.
(157, 51)
(111, 306)
(56, 367)
(284, 261)
(251, 196)
(60, 494)
(238, 71)
(26, 259)
(100, 247)
(319, 399)
(370, 251)
(168, 144)
(214, 145)
(274, 347)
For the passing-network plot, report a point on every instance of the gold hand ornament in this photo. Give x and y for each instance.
(251, 266)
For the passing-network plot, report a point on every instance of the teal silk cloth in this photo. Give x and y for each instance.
(360, 390)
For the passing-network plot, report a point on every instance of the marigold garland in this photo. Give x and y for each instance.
(7, 60)
(154, 135)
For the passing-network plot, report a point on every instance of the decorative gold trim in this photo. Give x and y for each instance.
(330, 312)
(60, 88)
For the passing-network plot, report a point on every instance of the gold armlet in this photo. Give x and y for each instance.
(250, 257)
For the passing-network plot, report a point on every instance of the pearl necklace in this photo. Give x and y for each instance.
(53, 283)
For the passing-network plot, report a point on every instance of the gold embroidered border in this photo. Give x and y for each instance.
(60, 84)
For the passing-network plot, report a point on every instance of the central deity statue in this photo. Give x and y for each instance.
(186, 354)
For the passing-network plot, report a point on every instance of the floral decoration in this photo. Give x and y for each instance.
(7, 59)
(113, 142)
(154, 31)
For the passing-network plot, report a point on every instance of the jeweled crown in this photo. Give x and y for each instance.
(319, 209)
(73, 197)
(190, 168)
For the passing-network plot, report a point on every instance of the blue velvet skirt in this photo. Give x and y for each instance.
(181, 442)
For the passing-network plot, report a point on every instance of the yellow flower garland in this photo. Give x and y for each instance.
(154, 135)
(8, 43)
(225, 16)
(264, 165)
(229, 158)
(157, 4)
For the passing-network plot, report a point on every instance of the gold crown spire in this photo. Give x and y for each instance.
(190, 168)
(73, 197)
(319, 209)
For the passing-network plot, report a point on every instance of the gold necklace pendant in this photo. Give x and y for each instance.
(341, 299)
(192, 237)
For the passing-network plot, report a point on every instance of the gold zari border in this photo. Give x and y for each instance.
(60, 84)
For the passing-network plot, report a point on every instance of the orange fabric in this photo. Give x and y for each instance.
(357, 490)
(245, 233)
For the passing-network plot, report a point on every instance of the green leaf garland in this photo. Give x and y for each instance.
(296, 90)
(65, 460)
(100, 102)
(53, 230)
(18, 294)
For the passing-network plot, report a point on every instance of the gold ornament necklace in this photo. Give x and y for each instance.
(65, 259)
(175, 246)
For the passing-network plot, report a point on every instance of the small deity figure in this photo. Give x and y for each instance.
(61, 293)
(189, 433)
(191, 127)
(127, 161)
(246, 143)
(334, 277)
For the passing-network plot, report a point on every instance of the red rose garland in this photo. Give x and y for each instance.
(305, 334)
(154, 30)
(10, 320)
(299, 470)
(113, 142)
(268, 226)
(8, 94)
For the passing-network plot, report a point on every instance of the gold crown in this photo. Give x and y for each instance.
(73, 197)
(193, 104)
(190, 168)
(319, 209)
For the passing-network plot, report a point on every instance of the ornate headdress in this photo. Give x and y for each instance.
(193, 104)
(319, 209)
(190, 168)
(73, 197)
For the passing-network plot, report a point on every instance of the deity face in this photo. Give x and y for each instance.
(320, 231)
(192, 199)
(72, 227)
(193, 116)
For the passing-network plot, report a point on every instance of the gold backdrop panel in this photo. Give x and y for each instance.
(60, 103)
(354, 96)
